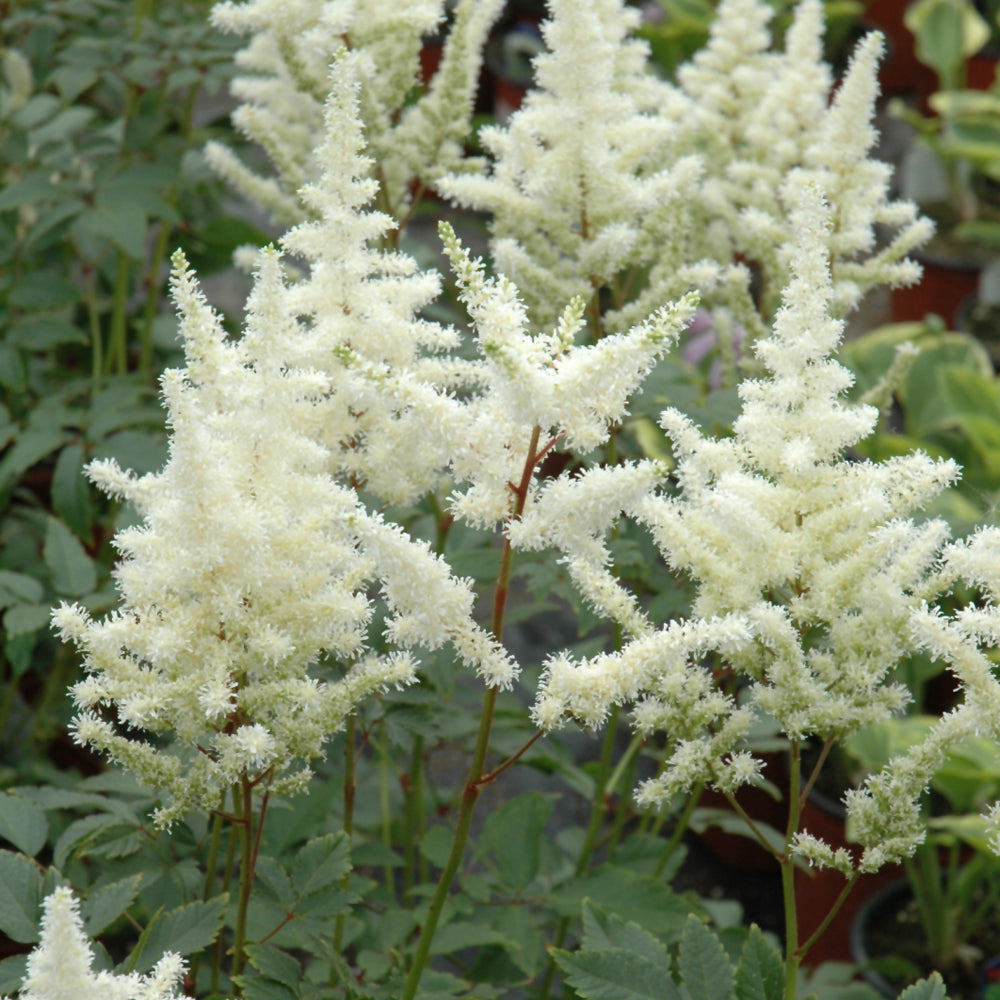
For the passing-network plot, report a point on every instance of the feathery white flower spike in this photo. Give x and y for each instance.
(812, 582)
(60, 966)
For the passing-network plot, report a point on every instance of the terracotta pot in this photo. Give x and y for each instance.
(944, 289)
(817, 890)
(901, 71)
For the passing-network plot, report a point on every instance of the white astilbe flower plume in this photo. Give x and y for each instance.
(541, 384)
(769, 123)
(812, 582)
(354, 316)
(285, 82)
(584, 185)
(60, 966)
(241, 582)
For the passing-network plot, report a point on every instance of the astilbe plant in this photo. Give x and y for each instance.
(267, 591)
(285, 83)
(812, 580)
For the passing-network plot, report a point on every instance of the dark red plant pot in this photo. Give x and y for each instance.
(944, 289)
(817, 890)
(901, 72)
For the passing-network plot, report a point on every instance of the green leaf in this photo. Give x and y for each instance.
(931, 988)
(18, 588)
(70, 492)
(645, 901)
(760, 974)
(275, 964)
(31, 447)
(322, 863)
(42, 333)
(27, 191)
(20, 897)
(615, 974)
(20, 619)
(261, 988)
(44, 289)
(73, 571)
(183, 930)
(513, 834)
(106, 904)
(23, 823)
(12, 972)
(703, 963)
(602, 931)
(435, 845)
(63, 126)
(123, 224)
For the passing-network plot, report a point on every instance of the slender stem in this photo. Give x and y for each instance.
(679, 827)
(385, 809)
(117, 359)
(814, 774)
(475, 782)
(469, 796)
(833, 911)
(488, 779)
(349, 788)
(211, 866)
(413, 800)
(227, 879)
(793, 956)
(246, 874)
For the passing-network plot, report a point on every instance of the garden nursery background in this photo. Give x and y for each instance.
(500, 499)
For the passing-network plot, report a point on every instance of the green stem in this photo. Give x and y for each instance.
(349, 788)
(246, 874)
(117, 359)
(475, 782)
(414, 814)
(227, 880)
(211, 864)
(793, 956)
(469, 796)
(679, 827)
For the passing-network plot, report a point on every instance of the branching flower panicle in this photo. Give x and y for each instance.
(812, 582)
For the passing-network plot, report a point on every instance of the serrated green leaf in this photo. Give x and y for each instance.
(70, 492)
(73, 571)
(513, 834)
(931, 988)
(602, 930)
(760, 974)
(461, 934)
(273, 878)
(645, 901)
(44, 289)
(20, 897)
(273, 963)
(82, 832)
(261, 988)
(23, 823)
(615, 974)
(183, 930)
(703, 963)
(106, 904)
(321, 863)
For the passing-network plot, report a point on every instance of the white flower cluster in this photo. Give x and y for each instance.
(245, 583)
(606, 173)
(285, 85)
(60, 966)
(812, 582)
